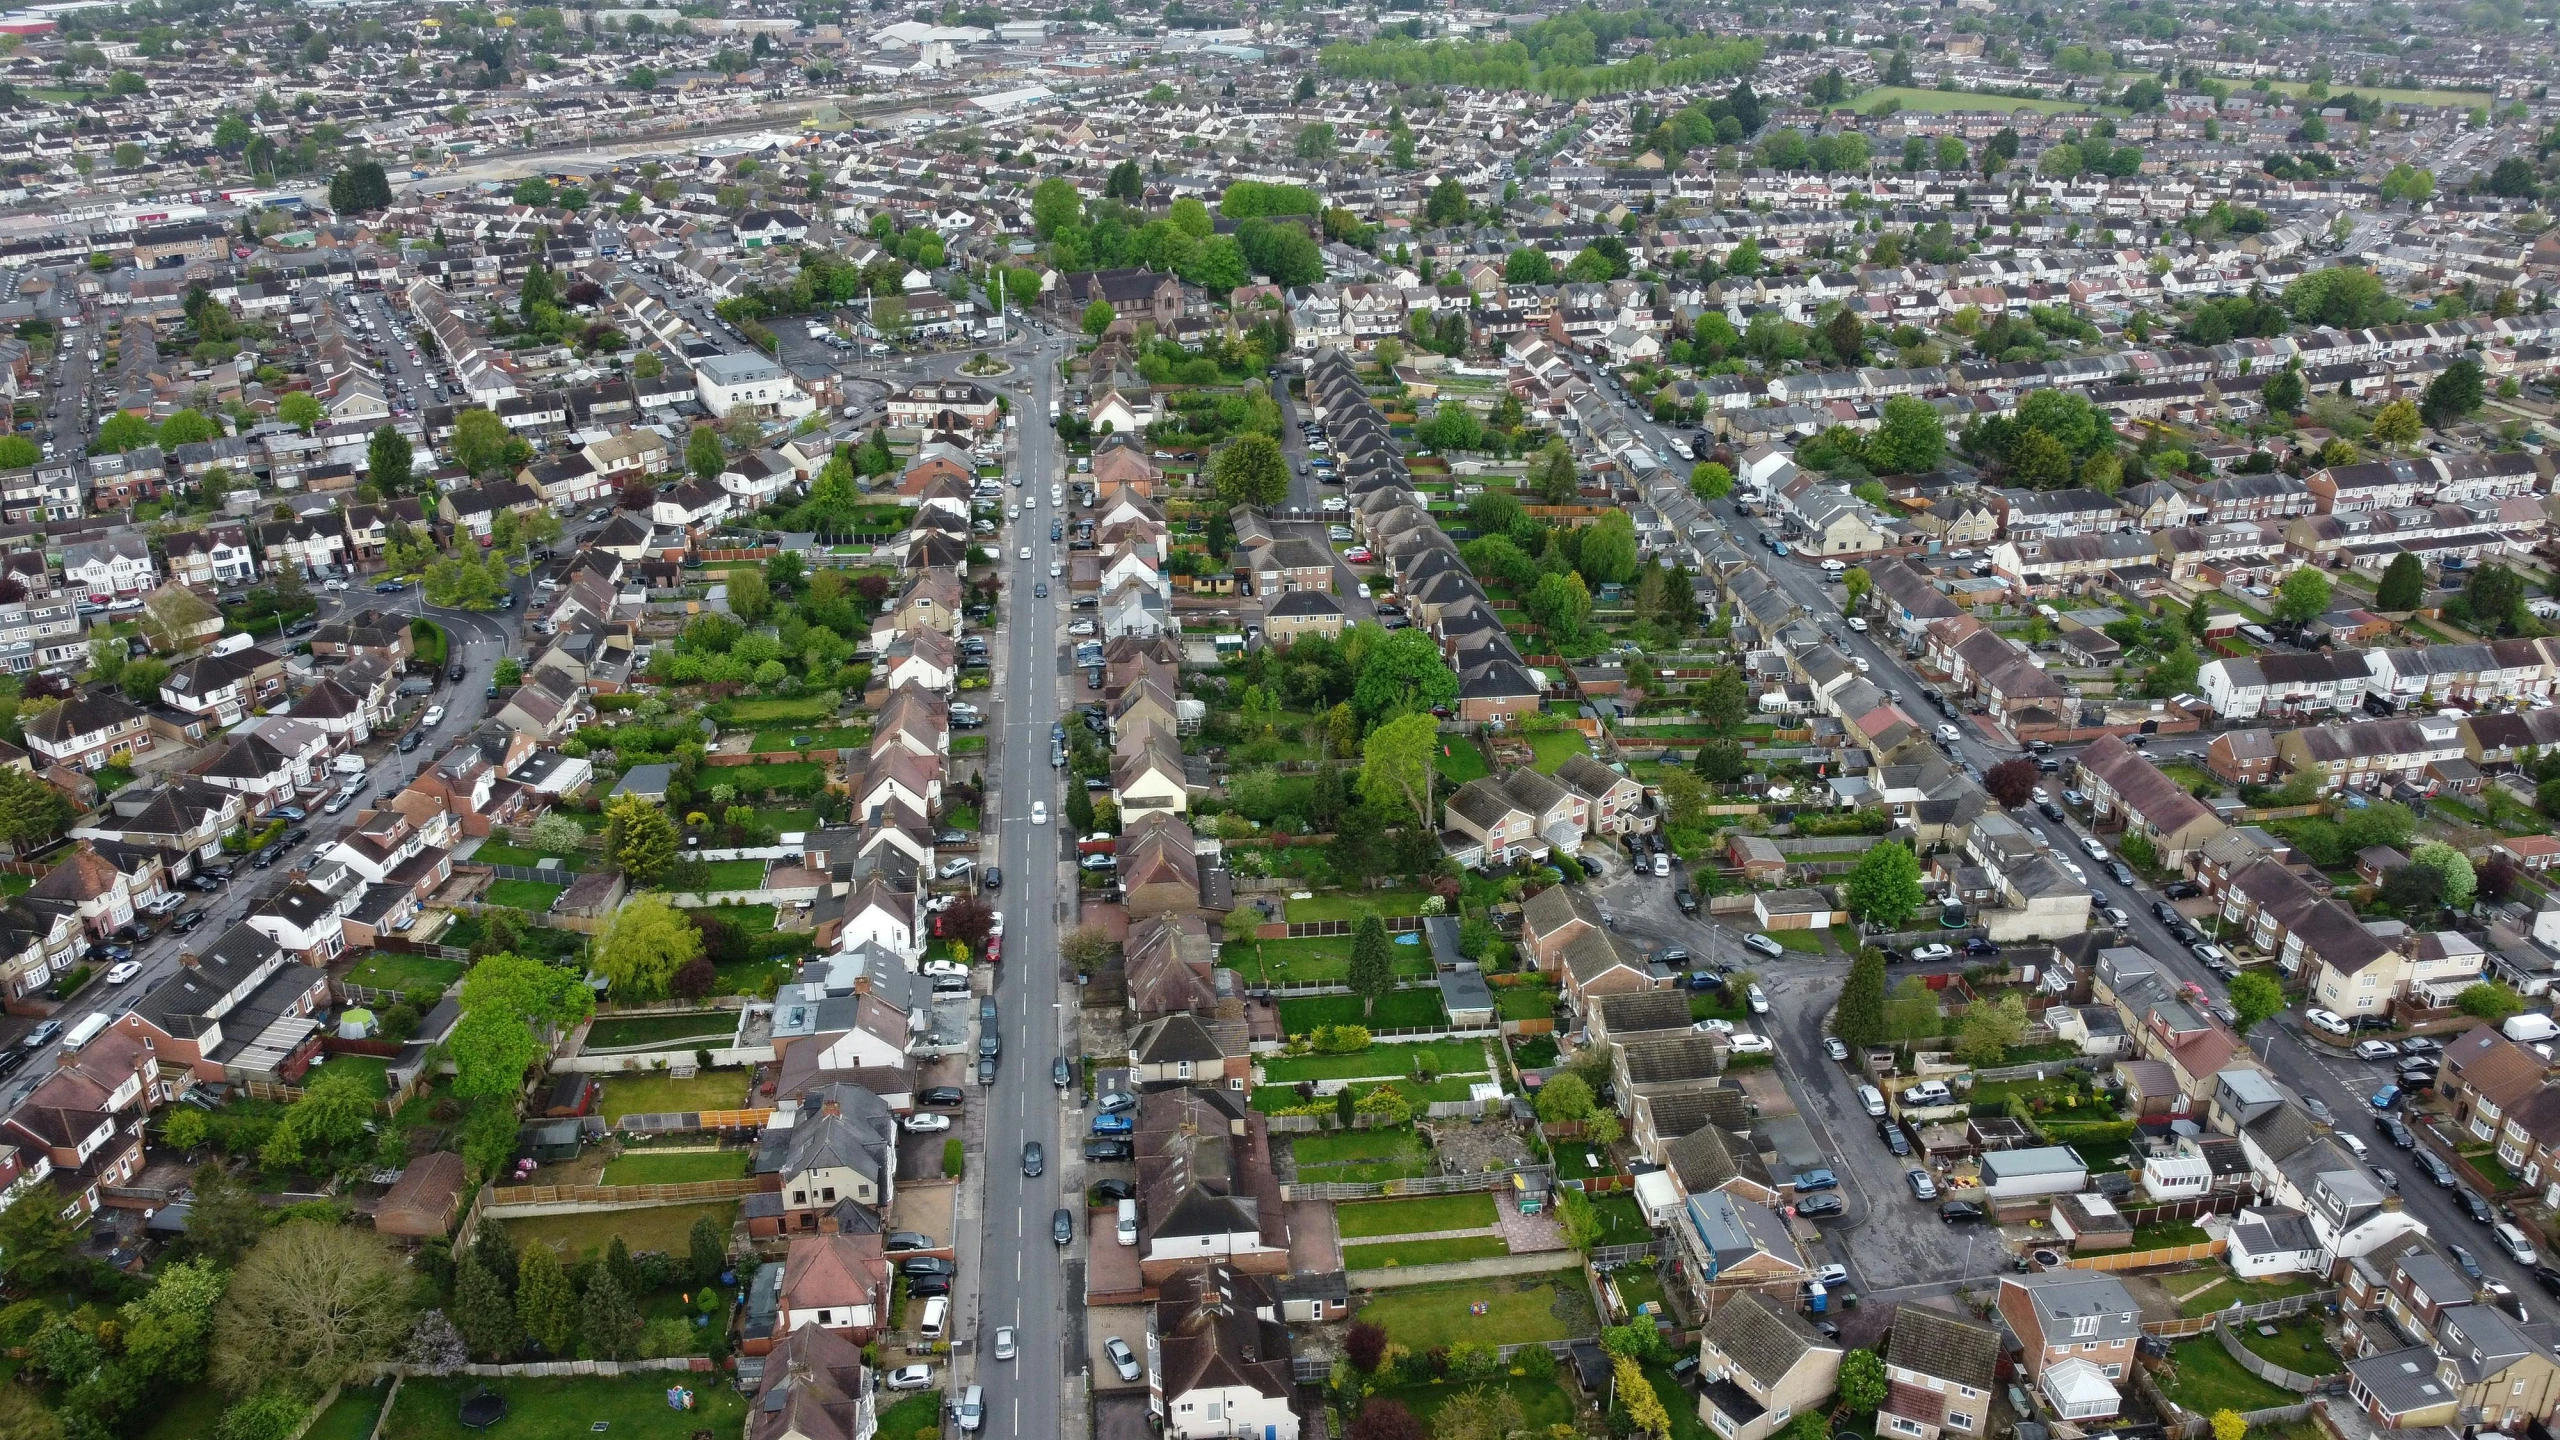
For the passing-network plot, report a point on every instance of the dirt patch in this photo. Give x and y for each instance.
(1768, 1093)
(2151, 1293)
(1466, 1148)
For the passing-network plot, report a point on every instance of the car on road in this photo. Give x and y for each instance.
(2437, 1170)
(1026, 550)
(1039, 812)
(1922, 1187)
(927, 1124)
(909, 1377)
(1816, 1207)
(971, 1411)
(2473, 1206)
(1108, 1150)
(2469, 1262)
(2329, 1020)
(1123, 1359)
(430, 720)
(1743, 1042)
(2385, 1098)
(2376, 1050)
(1062, 1227)
(123, 971)
(1758, 998)
(1040, 590)
(1894, 1139)
(1034, 1160)
(1932, 952)
(1835, 1047)
(1764, 945)
(1004, 1342)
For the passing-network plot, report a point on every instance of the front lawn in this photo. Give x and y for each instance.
(1423, 1252)
(681, 1167)
(918, 1415)
(1414, 1215)
(627, 1407)
(529, 895)
(613, 1032)
(1517, 1310)
(2208, 1379)
(1379, 1062)
(385, 970)
(1413, 1009)
(663, 1094)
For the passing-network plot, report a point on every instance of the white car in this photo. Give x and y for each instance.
(1713, 1027)
(2038, 796)
(1858, 623)
(1932, 953)
(1746, 1043)
(123, 971)
(1830, 1275)
(1081, 627)
(1026, 552)
(2096, 850)
(433, 717)
(1013, 512)
(928, 1124)
(1759, 999)
(2328, 1020)
(1950, 734)
(1039, 812)
(909, 1377)
(1004, 1342)
(2365, 1049)
(945, 970)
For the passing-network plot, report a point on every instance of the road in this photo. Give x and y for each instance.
(1020, 1282)
(1919, 1255)
(1307, 498)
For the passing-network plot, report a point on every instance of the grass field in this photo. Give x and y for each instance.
(721, 875)
(385, 971)
(1517, 1311)
(1401, 1010)
(1416, 1215)
(793, 775)
(1556, 747)
(530, 895)
(627, 1407)
(1545, 1404)
(1423, 1252)
(1378, 1062)
(1949, 101)
(187, 1413)
(2297, 1345)
(1525, 1002)
(770, 712)
(373, 1070)
(1459, 761)
(1621, 1221)
(2208, 1379)
(1321, 958)
(1685, 1424)
(678, 1168)
(828, 738)
(921, 1411)
(616, 1031)
(1360, 1156)
(2228, 1289)
(1350, 905)
(2463, 99)
(659, 1227)
(647, 1094)
(493, 852)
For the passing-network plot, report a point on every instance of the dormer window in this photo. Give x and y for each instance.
(2084, 1325)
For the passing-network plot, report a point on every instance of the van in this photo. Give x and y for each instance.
(2511, 1240)
(1928, 1092)
(349, 764)
(1871, 1100)
(2354, 1146)
(85, 1031)
(2526, 1029)
(1127, 1230)
(936, 1311)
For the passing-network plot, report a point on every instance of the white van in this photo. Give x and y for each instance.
(937, 1310)
(2354, 1146)
(87, 1030)
(1928, 1093)
(1127, 1230)
(348, 764)
(1871, 1100)
(2511, 1240)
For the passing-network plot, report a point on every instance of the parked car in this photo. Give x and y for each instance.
(1123, 1359)
(1922, 1187)
(2376, 1050)
(2473, 1206)
(1817, 1207)
(909, 1377)
(901, 1240)
(927, 1124)
(1112, 1191)
(2386, 1097)
(923, 1266)
(2469, 1262)
(1062, 1227)
(1112, 1102)
(1060, 1073)
(1835, 1047)
(1894, 1139)
(1104, 1150)
(939, 1095)
(2437, 1170)
(1960, 1212)
(1932, 953)
(1811, 1180)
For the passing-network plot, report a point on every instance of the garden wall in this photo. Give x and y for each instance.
(2147, 1259)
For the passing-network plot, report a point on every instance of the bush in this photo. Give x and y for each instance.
(952, 1158)
(1339, 1039)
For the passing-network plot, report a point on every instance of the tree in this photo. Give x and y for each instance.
(505, 999)
(608, 1323)
(479, 441)
(1565, 1099)
(2011, 782)
(1884, 887)
(1638, 1398)
(1396, 764)
(2396, 424)
(31, 811)
(1710, 481)
(1098, 317)
(1055, 206)
(1528, 266)
(1859, 1022)
(710, 1250)
(1398, 671)
(1856, 582)
(2496, 594)
(2403, 587)
(640, 839)
(2457, 391)
(2303, 597)
(1250, 471)
(1862, 1383)
(1373, 963)
(1365, 1345)
(703, 453)
(1608, 553)
(387, 461)
(2489, 1001)
(1383, 1419)
(34, 1240)
(308, 1306)
(640, 952)
(546, 1310)
(2283, 392)
(1558, 605)
(1552, 477)
(1720, 762)
(1446, 205)
(483, 1310)
(1989, 1030)
(2254, 998)
(2461, 886)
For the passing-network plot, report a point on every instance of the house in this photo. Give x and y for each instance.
(1938, 1370)
(1488, 828)
(1221, 1358)
(1178, 1049)
(1596, 964)
(91, 730)
(835, 1282)
(944, 404)
(1552, 920)
(2484, 1078)
(2368, 755)
(1760, 1365)
(240, 1010)
(727, 382)
(2076, 1335)
(2126, 790)
(1612, 804)
(1303, 612)
(839, 1149)
(1734, 1244)
(814, 1387)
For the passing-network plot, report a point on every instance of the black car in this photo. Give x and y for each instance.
(2186, 933)
(2475, 1207)
(2549, 1276)
(455, 673)
(1893, 1138)
(2182, 890)
(994, 879)
(928, 1286)
(2049, 810)
(939, 1095)
(1113, 1191)
(1062, 1227)
(1108, 1150)
(990, 1043)
(1960, 1212)
(410, 742)
(1815, 1207)
(264, 858)
(10, 1060)
(1980, 946)
(897, 1240)
(926, 1265)
(2122, 872)
(1034, 1160)
(1061, 1074)
(2437, 1170)
(2396, 1132)
(986, 1069)
(2166, 913)
(187, 922)
(2469, 1262)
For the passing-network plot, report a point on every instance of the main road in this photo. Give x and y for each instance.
(1021, 1275)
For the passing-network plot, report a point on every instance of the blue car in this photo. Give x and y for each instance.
(2386, 1098)
(1118, 1123)
(1812, 1180)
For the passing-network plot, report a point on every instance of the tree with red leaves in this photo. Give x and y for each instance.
(695, 979)
(2497, 877)
(968, 922)
(1387, 1420)
(1366, 1345)
(2011, 782)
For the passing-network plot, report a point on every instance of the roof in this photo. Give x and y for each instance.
(1763, 1339)
(2062, 1297)
(1948, 1347)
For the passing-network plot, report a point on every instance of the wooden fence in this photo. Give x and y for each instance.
(2271, 1372)
(2147, 1259)
(2185, 1326)
(624, 1194)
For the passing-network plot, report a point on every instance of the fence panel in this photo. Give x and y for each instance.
(2146, 1259)
(1542, 1178)
(2271, 1372)
(623, 1194)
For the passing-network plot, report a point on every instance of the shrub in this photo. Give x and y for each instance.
(1340, 1039)
(952, 1158)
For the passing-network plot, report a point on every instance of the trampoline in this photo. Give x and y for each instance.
(482, 1408)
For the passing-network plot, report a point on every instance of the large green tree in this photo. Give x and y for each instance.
(1552, 476)
(2458, 391)
(640, 839)
(310, 1304)
(1397, 670)
(1883, 888)
(647, 943)
(1372, 975)
(2255, 998)
(479, 441)
(1250, 471)
(2303, 597)
(387, 461)
(1859, 1021)
(2404, 585)
(1911, 438)
(546, 1305)
(1396, 764)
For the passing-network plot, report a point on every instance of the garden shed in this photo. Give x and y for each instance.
(423, 1202)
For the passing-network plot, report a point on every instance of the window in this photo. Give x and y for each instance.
(1905, 1427)
(2084, 1325)
(1958, 1420)
(1779, 1416)
(2115, 1372)
(2090, 1348)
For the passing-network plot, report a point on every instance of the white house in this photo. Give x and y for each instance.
(725, 382)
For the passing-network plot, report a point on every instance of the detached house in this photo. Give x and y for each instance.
(1938, 1371)
(1760, 1365)
(2076, 1333)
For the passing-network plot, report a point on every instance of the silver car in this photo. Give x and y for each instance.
(1004, 1342)
(1123, 1359)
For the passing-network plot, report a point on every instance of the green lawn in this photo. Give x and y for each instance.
(1423, 1252)
(659, 1094)
(656, 1227)
(802, 711)
(1360, 1156)
(530, 895)
(1517, 1311)
(2167, 1235)
(719, 875)
(678, 1168)
(1685, 1424)
(351, 1415)
(1379, 1062)
(1951, 101)
(373, 1070)
(187, 1412)
(384, 970)
(1808, 942)
(1525, 1002)
(616, 1031)
(1459, 761)
(1555, 747)
(789, 775)
(1621, 1219)
(1320, 959)
(1399, 1010)
(1351, 905)
(917, 1414)
(2207, 1379)
(2459, 99)
(627, 1407)
(1545, 1404)
(1415, 1215)
(494, 852)
(769, 742)
(2228, 1289)
(2297, 1345)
